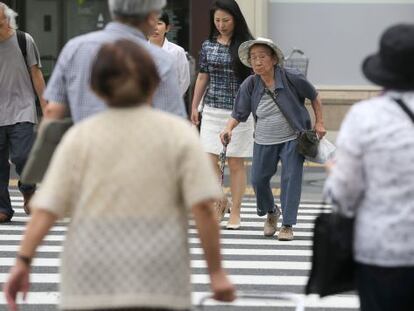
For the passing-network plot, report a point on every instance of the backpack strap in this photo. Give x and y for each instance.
(21, 40)
(404, 107)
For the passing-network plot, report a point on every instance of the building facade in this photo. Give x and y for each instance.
(335, 35)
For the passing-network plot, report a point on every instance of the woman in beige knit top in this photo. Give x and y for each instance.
(127, 178)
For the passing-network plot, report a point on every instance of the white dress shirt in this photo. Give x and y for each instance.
(181, 62)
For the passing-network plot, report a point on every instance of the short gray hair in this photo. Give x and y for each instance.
(134, 8)
(10, 15)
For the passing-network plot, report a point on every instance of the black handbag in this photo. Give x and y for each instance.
(333, 265)
(308, 143)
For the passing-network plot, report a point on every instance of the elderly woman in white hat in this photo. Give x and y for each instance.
(373, 176)
(275, 96)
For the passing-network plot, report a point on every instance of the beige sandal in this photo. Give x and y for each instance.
(223, 206)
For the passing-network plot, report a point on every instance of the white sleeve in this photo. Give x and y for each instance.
(183, 71)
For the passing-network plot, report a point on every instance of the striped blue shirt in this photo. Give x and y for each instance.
(69, 83)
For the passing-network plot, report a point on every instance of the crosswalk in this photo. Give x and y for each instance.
(256, 264)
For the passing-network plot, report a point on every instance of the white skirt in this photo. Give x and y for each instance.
(214, 121)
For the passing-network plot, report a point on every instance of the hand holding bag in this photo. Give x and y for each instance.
(308, 143)
(326, 151)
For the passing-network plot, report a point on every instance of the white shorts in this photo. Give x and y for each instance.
(214, 121)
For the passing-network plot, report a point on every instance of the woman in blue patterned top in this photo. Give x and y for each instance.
(219, 79)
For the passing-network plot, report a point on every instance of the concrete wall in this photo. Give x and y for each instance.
(338, 100)
(255, 12)
(336, 35)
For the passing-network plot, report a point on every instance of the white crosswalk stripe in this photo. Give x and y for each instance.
(254, 262)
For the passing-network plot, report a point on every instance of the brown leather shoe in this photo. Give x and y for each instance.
(26, 200)
(4, 218)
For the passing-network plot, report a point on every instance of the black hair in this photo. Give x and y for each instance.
(241, 34)
(164, 18)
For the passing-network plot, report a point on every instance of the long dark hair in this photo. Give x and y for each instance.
(241, 33)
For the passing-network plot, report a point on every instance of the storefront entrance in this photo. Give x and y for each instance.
(53, 22)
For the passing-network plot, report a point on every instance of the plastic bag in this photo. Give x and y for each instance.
(326, 151)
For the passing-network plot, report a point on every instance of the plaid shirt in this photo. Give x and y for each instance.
(216, 61)
(69, 83)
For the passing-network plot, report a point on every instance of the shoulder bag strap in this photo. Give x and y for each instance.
(21, 39)
(273, 96)
(404, 107)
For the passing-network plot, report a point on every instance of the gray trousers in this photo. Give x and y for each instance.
(264, 167)
(15, 144)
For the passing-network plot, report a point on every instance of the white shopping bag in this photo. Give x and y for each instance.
(326, 150)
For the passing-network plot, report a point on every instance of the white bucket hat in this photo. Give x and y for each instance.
(245, 47)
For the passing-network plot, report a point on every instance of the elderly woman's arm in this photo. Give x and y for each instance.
(208, 231)
(317, 110)
(38, 226)
(241, 109)
(225, 135)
